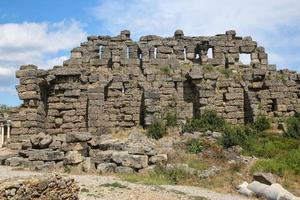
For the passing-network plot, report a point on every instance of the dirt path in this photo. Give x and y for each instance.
(95, 187)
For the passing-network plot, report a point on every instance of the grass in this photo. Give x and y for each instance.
(114, 185)
(166, 70)
(84, 190)
(227, 72)
(148, 179)
(207, 68)
(160, 176)
(171, 119)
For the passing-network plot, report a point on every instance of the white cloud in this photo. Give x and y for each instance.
(34, 43)
(42, 44)
(56, 61)
(273, 23)
(7, 71)
(9, 90)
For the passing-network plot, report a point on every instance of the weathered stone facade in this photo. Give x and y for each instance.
(114, 82)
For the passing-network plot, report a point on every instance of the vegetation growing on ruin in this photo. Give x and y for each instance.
(208, 120)
(166, 70)
(194, 146)
(279, 154)
(293, 127)
(4, 109)
(261, 123)
(171, 119)
(156, 129)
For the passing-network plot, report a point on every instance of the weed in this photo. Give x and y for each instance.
(160, 176)
(171, 119)
(261, 123)
(207, 68)
(208, 120)
(156, 130)
(234, 135)
(114, 185)
(194, 146)
(227, 72)
(293, 127)
(84, 190)
(166, 70)
(67, 169)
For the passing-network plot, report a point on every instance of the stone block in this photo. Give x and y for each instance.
(128, 160)
(78, 137)
(73, 157)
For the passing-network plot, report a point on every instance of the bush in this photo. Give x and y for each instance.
(194, 146)
(293, 127)
(234, 135)
(261, 123)
(193, 125)
(171, 120)
(156, 130)
(209, 120)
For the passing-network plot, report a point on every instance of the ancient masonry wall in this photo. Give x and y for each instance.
(114, 82)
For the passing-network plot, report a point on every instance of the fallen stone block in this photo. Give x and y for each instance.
(78, 137)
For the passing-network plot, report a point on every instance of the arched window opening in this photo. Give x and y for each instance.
(184, 53)
(127, 52)
(210, 53)
(100, 51)
(245, 59)
(123, 88)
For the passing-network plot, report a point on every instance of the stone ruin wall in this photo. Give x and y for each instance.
(114, 82)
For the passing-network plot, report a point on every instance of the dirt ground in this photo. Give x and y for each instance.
(110, 188)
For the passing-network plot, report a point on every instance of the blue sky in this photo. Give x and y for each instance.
(42, 32)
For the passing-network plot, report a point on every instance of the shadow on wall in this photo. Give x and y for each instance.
(191, 95)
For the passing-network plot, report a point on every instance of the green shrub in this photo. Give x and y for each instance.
(171, 120)
(293, 127)
(194, 146)
(193, 125)
(209, 120)
(156, 130)
(234, 135)
(261, 123)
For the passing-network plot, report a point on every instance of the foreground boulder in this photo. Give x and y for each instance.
(269, 192)
(49, 188)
